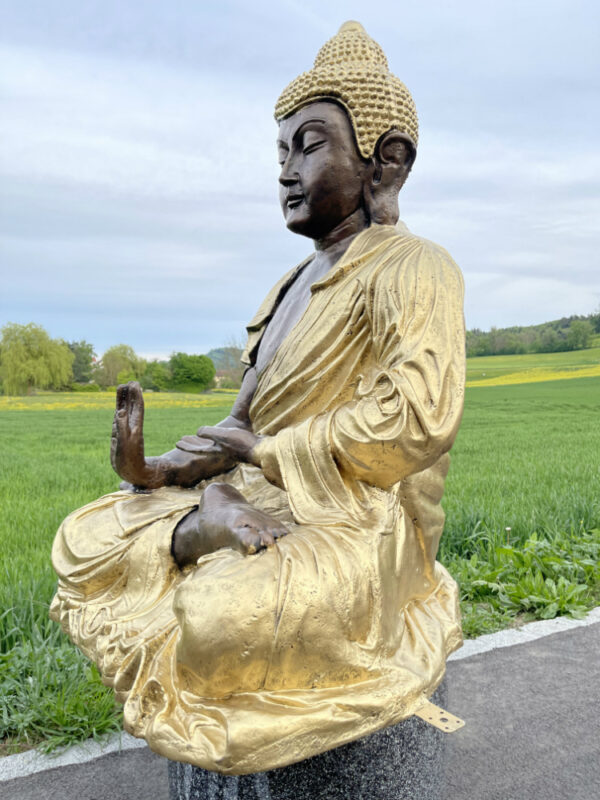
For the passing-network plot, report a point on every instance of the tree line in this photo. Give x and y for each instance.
(568, 333)
(30, 359)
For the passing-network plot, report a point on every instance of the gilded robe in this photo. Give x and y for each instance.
(245, 663)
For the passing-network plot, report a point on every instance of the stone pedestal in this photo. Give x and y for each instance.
(404, 762)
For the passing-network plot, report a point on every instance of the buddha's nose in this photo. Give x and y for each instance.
(287, 176)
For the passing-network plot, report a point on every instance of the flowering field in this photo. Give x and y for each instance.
(522, 532)
(533, 367)
(88, 401)
(538, 375)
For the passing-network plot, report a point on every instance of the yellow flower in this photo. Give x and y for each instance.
(537, 375)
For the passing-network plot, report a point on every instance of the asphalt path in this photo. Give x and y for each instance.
(532, 713)
(533, 721)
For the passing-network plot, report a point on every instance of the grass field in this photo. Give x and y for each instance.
(533, 367)
(522, 533)
(523, 503)
(54, 461)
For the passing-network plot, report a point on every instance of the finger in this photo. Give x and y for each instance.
(121, 396)
(136, 390)
(249, 539)
(113, 446)
(129, 407)
(216, 436)
(266, 539)
(121, 416)
(192, 438)
(137, 406)
(193, 444)
(208, 432)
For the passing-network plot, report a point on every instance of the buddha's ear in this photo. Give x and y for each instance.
(395, 153)
(392, 161)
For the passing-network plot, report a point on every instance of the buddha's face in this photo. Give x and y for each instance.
(322, 173)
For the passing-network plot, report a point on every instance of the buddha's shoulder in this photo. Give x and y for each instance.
(403, 251)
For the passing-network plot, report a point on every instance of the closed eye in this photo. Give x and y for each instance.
(313, 146)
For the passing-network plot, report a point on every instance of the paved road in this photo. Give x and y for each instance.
(532, 733)
(533, 721)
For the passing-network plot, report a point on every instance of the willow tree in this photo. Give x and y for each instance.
(30, 359)
(119, 364)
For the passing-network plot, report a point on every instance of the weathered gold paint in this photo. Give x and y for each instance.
(245, 663)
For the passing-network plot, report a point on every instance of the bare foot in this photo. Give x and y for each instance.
(224, 519)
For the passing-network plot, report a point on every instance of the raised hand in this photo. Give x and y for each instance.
(127, 441)
(191, 461)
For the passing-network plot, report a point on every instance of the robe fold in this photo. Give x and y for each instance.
(245, 663)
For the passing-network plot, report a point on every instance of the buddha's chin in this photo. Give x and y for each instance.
(299, 223)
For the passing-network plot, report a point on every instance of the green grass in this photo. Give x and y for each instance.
(526, 458)
(52, 463)
(525, 476)
(522, 533)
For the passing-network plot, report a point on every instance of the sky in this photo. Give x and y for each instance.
(138, 169)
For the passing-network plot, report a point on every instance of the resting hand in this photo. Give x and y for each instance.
(238, 442)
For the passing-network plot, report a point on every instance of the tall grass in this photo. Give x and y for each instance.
(53, 462)
(522, 532)
(527, 458)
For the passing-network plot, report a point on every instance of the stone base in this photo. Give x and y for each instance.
(404, 762)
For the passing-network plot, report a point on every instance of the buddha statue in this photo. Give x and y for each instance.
(268, 589)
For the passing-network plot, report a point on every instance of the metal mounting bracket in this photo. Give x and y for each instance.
(439, 718)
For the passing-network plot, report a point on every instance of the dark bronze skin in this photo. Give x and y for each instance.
(328, 193)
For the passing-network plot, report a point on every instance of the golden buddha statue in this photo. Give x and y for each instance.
(268, 589)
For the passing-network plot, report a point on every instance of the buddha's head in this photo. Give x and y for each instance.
(347, 139)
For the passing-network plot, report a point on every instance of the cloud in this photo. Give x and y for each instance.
(140, 181)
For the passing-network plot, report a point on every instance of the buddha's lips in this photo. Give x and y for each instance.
(294, 200)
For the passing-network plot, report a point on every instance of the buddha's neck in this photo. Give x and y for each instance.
(333, 246)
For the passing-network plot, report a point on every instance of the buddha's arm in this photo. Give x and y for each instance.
(193, 459)
(406, 414)
(406, 411)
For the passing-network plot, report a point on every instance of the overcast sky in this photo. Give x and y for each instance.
(138, 172)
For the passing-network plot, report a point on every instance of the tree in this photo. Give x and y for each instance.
(119, 361)
(30, 359)
(190, 372)
(157, 376)
(82, 365)
(579, 335)
(549, 341)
